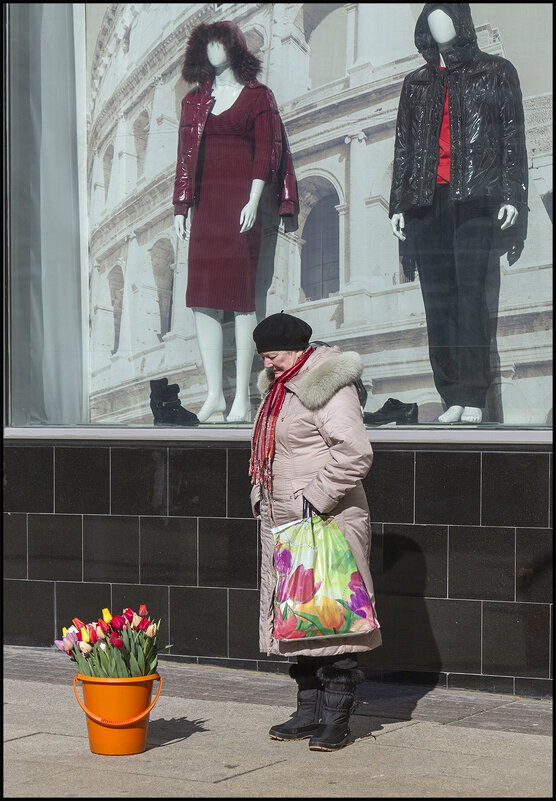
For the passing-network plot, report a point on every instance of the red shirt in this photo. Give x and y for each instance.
(443, 169)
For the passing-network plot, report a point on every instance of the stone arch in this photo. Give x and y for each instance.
(107, 165)
(141, 128)
(163, 262)
(116, 286)
(320, 237)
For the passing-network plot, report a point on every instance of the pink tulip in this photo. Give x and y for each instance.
(60, 644)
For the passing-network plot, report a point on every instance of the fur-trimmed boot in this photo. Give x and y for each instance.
(339, 702)
(306, 719)
(166, 405)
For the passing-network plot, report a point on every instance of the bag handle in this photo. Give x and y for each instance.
(308, 510)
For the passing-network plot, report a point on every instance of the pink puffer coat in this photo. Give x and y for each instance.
(322, 452)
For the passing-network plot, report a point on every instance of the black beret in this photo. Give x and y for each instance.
(282, 332)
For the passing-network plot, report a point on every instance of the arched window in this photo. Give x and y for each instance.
(320, 253)
(141, 134)
(162, 257)
(116, 284)
(107, 161)
(325, 26)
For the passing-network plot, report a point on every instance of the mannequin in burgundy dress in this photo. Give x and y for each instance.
(220, 219)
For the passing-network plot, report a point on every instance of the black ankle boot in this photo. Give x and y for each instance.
(306, 719)
(339, 701)
(393, 411)
(166, 406)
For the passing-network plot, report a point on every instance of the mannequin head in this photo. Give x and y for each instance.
(441, 26)
(223, 38)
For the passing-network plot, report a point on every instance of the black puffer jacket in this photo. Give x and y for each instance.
(488, 157)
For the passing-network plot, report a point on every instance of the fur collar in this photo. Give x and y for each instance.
(315, 387)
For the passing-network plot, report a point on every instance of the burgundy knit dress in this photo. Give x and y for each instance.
(235, 149)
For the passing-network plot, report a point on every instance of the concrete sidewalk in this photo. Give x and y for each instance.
(208, 737)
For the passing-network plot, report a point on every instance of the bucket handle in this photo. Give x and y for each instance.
(116, 723)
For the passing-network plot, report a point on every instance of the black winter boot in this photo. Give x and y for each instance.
(166, 406)
(339, 702)
(306, 719)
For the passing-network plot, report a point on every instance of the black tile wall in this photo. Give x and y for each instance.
(228, 553)
(447, 488)
(138, 481)
(28, 479)
(481, 563)
(14, 536)
(168, 550)
(461, 555)
(82, 483)
(515, 489)
(55, 547)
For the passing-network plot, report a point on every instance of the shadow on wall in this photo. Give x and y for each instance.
(408, 664)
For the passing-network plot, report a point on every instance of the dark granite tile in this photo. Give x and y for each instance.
(414, 561)
(85, 601)
(390, 486)
(481, 563)
(244, 624)
(28, 478)
(239, 483)
(111, 549)
(534, 562)
(138, 481)
(156, 600)
(14, 537)
(82, 480)
(487, 684)
(228, 553)
(516, 639)
(515, 489)
(534, 688)
(377, 548)
(28, 612)
(197, 482)
(447, 488)
(199, 621)
(168, 547)
(55, 547)
(428, 635)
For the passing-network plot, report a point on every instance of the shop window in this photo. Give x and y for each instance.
(320, 264)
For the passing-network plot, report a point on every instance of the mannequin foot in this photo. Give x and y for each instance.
(212, 410)
(452, 415)
(471, 415)
(240, 411)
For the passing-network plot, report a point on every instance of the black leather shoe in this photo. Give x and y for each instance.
(393, 411)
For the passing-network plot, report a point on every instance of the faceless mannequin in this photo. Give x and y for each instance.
(443, 32)
(208, 323)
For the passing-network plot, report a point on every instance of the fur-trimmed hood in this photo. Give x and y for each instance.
(196, 67)
(325, 372)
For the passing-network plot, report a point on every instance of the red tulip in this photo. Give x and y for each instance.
(92, 632)
(144, 624)
(128, 614)
(301, 585)
(104, 626)
(143, 611)
(115, 640)
(117, 621)
(285, 629)
(78, 623)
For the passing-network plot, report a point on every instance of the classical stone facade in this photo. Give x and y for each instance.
(336, 70)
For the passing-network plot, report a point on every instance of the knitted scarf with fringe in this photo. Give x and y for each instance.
(264, 428)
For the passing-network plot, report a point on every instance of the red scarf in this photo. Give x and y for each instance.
(264, 429)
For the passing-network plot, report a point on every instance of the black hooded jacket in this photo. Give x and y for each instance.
(488, 156)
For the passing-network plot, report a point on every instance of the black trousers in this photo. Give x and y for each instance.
(452, 243)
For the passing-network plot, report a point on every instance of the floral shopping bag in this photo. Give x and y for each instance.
(319, 591)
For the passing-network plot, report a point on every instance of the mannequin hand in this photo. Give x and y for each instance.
(398, 223)
(248, 215)
(179, 226)
(511, 216)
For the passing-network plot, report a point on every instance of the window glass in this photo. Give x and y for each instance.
(97, 277)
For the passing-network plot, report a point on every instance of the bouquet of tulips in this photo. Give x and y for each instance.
(115, 646)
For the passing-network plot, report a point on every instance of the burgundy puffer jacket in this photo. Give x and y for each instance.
(196, 106)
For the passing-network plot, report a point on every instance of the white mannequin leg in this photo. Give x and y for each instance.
(245, 349)
(210, 338)
(471, 415)
(451, 415)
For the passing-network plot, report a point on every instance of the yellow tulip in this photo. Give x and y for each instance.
(64, 631)
(85, 636)
(106, 616)
(330, 613)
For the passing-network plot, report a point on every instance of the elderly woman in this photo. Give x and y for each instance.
(309, 442)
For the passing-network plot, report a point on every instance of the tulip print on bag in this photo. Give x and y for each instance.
(319, 591)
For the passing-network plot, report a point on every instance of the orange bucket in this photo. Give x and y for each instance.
(117, 712)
